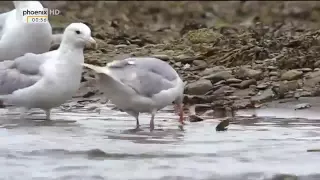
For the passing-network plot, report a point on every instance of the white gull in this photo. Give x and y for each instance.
(46, 80)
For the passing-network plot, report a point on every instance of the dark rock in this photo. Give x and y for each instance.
(195, 118)
(222, 126)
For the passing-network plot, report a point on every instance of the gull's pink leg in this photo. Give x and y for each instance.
(181, 119)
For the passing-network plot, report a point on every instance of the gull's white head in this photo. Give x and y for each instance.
(79, 35)
(27, 4)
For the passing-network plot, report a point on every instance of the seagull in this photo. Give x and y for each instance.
(141, 85)
(18, 37)
(50, 79)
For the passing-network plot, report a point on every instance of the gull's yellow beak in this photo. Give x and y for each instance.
(91, 43)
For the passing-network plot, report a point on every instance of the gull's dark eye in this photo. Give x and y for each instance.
(77, 31)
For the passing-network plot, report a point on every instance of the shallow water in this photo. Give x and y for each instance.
(87, 145)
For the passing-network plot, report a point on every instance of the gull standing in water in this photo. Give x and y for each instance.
(18, 37)
(141, 85)
(46, 80)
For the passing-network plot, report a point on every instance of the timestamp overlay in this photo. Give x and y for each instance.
(38, 16)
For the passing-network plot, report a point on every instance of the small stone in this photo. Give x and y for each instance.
(264, 96)
(199, 87)
(178, 64)
(233, 80)
(223, 125)
(246, 83)
(253, 86)
(302, 106)
(212, 70)
(218, 76)
(223, 90)
(208, 113)
(120, 46)
(272, 68)
(247, 73)
(235, 85)
(220, 82)
(305, 70)
(195, 118)
(311, 75)
(273, 73)
(286, 86)
(186, 66)
(242, 104)
(262, 86)
(200, 63)
(163, 57)
(184, 58)
(312, 82)
(291, 75)
(274, 78)
(317, 64)
(232, 97)
(305, 94)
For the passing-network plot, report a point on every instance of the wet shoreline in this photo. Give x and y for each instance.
(99, 146)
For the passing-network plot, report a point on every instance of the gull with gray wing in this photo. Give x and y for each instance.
(141, 85)
(46, 80)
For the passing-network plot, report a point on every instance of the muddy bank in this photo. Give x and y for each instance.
(240, 54)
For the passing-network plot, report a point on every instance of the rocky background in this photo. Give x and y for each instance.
(240, 53)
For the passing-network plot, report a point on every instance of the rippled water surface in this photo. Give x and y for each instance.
(87, 145)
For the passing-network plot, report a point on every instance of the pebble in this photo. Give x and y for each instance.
(218, 76)
(273, 73)
(200, 63)
(272, 68)
(302, 106)
(186, 66)
(199, 87)
(233, 80)
(291, 75)
(262, 86)
(263, 96)
(184, 58)
(120, 46)
(305, 70)
(163, 57)
(247, 73)
(212, 70)
(246, 83)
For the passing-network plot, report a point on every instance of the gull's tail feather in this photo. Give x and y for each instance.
(98, 69)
